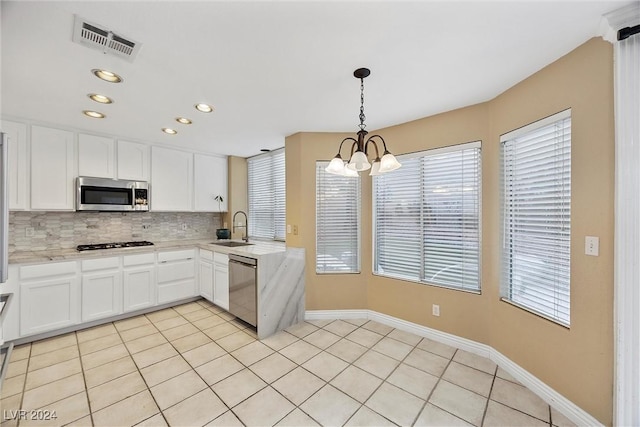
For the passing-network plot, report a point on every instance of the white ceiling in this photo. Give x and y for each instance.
(275, 68)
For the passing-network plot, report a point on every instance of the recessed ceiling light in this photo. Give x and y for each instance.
(169, 131)
(100, 98)
(205, 108)
(107, 76)
(94, 114)
(183, 120)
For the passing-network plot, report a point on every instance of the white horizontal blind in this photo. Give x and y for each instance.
(536, 204)
(337, 222)
(267, 209)
(427, 218)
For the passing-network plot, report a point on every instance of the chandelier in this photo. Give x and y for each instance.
(359, 148)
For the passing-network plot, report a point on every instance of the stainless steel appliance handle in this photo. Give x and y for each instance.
(4, 209)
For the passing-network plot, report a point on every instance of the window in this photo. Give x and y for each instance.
(536, 211)
(337, 222)
(427, 218)
(267, 206)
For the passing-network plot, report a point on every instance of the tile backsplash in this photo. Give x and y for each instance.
(40, 231)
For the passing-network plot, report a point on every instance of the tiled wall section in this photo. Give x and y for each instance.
(66, 230)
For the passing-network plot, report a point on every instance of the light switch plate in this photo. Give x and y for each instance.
(592, 245)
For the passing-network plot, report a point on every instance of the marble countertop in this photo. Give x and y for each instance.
(255, 250)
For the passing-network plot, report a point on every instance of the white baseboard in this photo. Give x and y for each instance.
(546, 393)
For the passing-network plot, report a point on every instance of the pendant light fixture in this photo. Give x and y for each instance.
(359, 148)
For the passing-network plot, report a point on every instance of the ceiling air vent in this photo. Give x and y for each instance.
(103, 39)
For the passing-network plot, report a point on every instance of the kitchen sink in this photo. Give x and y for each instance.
(231, 244)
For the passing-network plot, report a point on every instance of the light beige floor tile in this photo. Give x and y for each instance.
(298, 385)
(109, 371)
(330, 406)
(297, 418)
(500, 415)
(434, 416)
(188, 307)
(54, 343)
(98, 344)
(320, 323)
(52, 357)
(376, 363)
(44, 395)
(160, 315)
(228, 419)
(190, 342)
(395, 404)
(127, 412)
(238, 387)
(19, 367)
(365, 417)
(501, 373)
(459, 401)
(138, 332)
(12, 386)
(273, 367)
(364, 337)
(356, 322)
(53, 373)
(82, 422)
(356, 383)
(240, 324)
(202, 313)
(377, 327)
(154, 355)
(263, 408)
(162, 371)
(405, 337)
(226, 316)
(415, 381)
(300, 351)
(116, 390)
(203, 354)
(347, 350)
(520, 398)
(322, 339)
(180, 332)
(96, 332)
(177, 389)
(475, 361)
(171, 322)
(196, 410)
(20, 352)
(428, 362)
(208, 322)
(392, 348)
(325, 366)
(558, 419)
(145, 343)
(252, 332)
(219, 369)
(251, 353)
(235, 341)
(10, 407)
(132, 322)
(220, 331)
(469, 378)
(340, 328)
(215, 309)
(98, 358)
(66, 410)
(279, 340)
(436, 347)
(301, 329)
(156, 421)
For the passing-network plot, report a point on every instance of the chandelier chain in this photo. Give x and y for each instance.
(362, 116)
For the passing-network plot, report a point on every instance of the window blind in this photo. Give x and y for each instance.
(267, 203)
(427, 218)
(337, 222)
(536, 205)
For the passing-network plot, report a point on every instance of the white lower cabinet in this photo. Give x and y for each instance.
(101, 288)
(205, 274)
(221, 280)
(176, 275)
(139, 281)
(49, 297)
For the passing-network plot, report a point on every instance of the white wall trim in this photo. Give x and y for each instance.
(546, 393)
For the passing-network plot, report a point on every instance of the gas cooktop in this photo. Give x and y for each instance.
(113, 245)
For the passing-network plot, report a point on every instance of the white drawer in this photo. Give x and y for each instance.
(220, 257)
(46, 270)
(139, 259)
(176, 271)
(100, 264)
(176, 255)
(205, 254)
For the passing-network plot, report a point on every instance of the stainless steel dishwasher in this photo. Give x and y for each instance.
(243, 290)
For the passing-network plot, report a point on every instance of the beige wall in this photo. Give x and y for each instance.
(238, 200)
(577, 362)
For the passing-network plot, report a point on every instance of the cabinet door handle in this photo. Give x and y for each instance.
(163, 262)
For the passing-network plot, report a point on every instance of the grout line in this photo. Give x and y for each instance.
(486, 405)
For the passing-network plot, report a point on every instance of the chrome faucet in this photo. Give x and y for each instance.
(245, 226)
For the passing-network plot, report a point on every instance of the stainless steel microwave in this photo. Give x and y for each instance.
(104, 194)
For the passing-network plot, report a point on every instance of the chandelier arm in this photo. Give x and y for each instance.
(346, 139)
(384, 144)
(366, 145)
(353, 147)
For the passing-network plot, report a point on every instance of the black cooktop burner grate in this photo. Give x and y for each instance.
(113, 245)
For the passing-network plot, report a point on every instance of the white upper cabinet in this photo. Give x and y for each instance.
(133, 161)
(210, 180)
(96, 156)
(171, 180)
(52, 169)
(18, 164)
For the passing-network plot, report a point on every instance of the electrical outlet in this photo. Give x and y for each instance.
(183, 227)
(435, 310)
(29, 232)
(288, 228)
(146, 226)
(592, 245)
